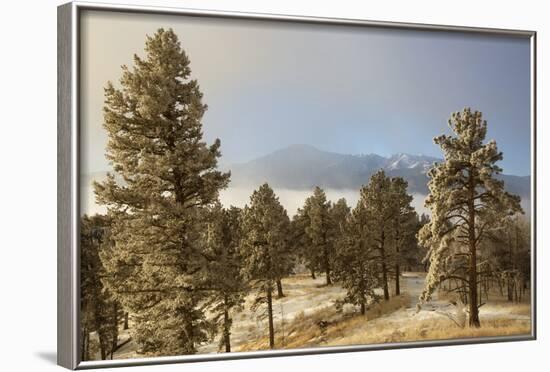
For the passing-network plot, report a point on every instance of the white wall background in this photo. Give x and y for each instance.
(28, 184)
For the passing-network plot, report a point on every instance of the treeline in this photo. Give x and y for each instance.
(242, 251)
(369, 244)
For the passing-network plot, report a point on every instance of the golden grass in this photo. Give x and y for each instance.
(387, 307)
(513, 308)
(373, 328)
(306, 330)
(303, 330)
(434, 329)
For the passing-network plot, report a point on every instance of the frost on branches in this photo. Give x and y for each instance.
(467, 201)
(153, 122)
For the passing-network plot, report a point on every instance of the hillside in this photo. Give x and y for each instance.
(307, 317)
(300, 167)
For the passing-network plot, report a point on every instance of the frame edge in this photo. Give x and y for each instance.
(534, 187)
(68, 221)
(66, 321)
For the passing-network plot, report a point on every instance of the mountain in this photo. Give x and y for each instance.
(303, 167)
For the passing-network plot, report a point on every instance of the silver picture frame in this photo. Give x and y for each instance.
(68, 299)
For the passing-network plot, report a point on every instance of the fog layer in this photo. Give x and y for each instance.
(294, 199)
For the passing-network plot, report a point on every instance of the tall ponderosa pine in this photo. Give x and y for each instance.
(224, 278)
(155, 145)
(466, 200)
(402, 224)
(100, 312)
(355, 264)
(300, 240)
(378, 201)
(318, 230)
(265, 247)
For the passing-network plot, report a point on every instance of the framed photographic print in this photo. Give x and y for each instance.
(236, 185)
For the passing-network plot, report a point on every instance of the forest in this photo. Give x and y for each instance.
(169, 270)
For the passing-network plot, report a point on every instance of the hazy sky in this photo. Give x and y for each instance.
(342, 89)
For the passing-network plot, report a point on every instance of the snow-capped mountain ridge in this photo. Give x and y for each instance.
(403, 160)
(304, 166)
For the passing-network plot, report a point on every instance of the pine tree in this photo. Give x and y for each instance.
(318, 231)
(265, 247)
(413, 254)
(355, 261)
(339, 213)
(301, 242)
(224, 277)
(155, 145)
(377, 199)
(466, 200)
(402, 223)
(99, 310)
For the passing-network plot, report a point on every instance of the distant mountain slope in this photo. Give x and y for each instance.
(303, 167)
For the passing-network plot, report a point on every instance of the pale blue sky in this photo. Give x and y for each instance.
(342, 89)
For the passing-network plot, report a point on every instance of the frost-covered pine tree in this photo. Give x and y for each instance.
(301, 242)
(466, 200)
(264, 247)
(402, 224)
(339, 213)
(355, 263)
(155, 145)
(378, 201)
(318, 231)
(223, 275)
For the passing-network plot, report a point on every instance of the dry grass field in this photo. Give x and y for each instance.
(307, 317)
(396, 320)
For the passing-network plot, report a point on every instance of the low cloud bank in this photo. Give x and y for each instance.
(294, 199)
(290, 199)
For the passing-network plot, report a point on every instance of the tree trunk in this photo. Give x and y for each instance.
(397, 286)
(510, 297)
(102, 349)
(312, 274)
(363, 308)
(326, 264)
(84, 345)
(270, 318)
(189, 347)
(126, 321)
(114, 341)
(384, 268)
(226, 332)
(472, 277)
(397, 257)
(385, 281)
(280, 293)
